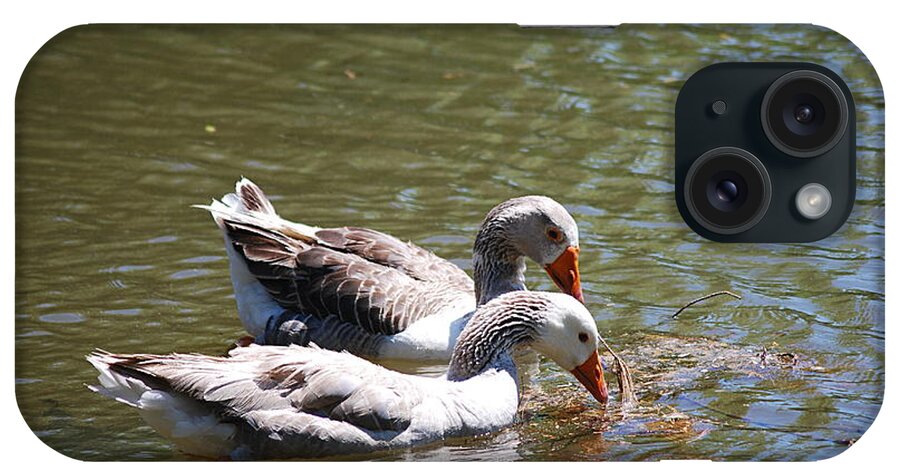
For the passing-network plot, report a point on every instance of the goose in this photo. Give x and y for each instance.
(371, 294)
(275, 402)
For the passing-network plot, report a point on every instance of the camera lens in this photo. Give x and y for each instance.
(727, 190)
(804, 113)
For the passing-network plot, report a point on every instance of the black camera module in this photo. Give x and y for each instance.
(804, 113)
(765, 152)
(727, 190)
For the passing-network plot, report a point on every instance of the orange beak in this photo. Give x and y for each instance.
(590, 374)
(564, 272)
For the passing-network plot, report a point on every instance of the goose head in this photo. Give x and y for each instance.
(553, 324)
(567, 335)
(536, 227)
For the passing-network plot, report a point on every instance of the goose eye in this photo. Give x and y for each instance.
(582, 336)
(554, 234)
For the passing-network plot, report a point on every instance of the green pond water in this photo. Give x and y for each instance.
(418, 132)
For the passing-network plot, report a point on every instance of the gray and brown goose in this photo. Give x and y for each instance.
(371, 294)
(266, 402)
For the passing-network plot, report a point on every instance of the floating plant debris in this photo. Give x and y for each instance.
(627, 396)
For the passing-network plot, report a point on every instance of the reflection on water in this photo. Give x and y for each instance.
(418, 132)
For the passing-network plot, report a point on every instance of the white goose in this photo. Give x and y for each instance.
(371, 294)
(265, 402)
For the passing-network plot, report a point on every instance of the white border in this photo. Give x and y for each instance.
(29, 24)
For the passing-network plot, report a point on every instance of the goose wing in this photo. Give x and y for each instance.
(386, 250)
(285, 401)
(363, 277)
(318, 280)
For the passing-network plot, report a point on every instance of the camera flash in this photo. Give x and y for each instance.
(813, 201)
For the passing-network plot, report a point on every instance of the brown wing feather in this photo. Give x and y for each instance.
(252, 198)
(325, 280)
(386, 250)
(298, 380)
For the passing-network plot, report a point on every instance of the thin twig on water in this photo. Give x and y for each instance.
(704, 298)
(627, 396)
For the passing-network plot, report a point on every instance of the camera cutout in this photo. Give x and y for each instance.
(748, 175)
(727, 190)
(804, 113)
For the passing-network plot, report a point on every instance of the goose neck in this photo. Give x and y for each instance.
(489, 339)
(498, 266)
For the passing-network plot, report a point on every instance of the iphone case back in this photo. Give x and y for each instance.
(418, 131)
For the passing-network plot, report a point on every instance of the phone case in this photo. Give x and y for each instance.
(418, 132)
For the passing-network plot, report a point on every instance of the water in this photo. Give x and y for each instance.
(417, 132)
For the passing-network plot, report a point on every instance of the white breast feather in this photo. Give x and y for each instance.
(432, 337)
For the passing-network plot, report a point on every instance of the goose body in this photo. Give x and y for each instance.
(371, 294)
(265, 402)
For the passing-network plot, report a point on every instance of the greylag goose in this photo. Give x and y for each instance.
(266, 402)
(371, 294)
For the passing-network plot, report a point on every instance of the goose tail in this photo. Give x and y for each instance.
(249, 205)
(248, 212)
(193, 427)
